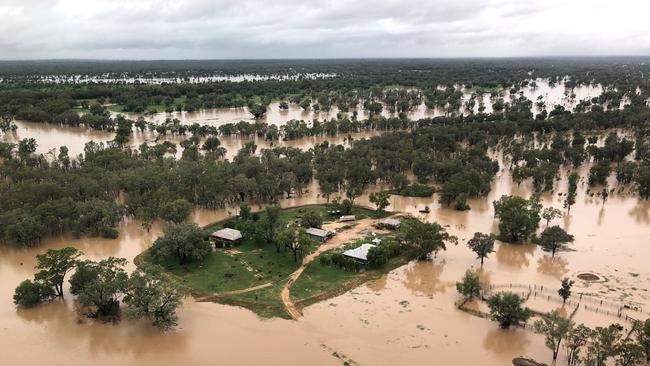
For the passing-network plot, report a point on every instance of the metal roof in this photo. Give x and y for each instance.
(390, 222)
(228, 234)
(360, 253)
(318, 232)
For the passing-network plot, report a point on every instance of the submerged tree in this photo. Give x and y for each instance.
(482, 245)
(506, 308)
(565, 289)
(425, 238)
(152, 294)
(554, 238)
(470, 286)
(54, 265)
(555, 329)
(183, 242)
(576, 339)
(518, 218)
(100, 285)
(30, 293)
(551, 213)
(571, 195)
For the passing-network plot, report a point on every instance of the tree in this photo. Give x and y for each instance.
(470, 286)
(268, 226)
(378, 256)
(152, 294)
(29, 294)
(176, 211)
(554, 328)
(482, 245)
(506, 308)
(296, 240)
(24, 229)
(565, 290)
(54, 265)
(554, 238)
(642, 333)
(425, 238)
(551, 213)
(602, 342)
(311, 219)
(572, 192)
(627, 352)
(100, 285)
(518, 218)
(380, 199)
(183, 242)
(576, 339)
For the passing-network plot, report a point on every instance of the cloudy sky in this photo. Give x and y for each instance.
(181, 29)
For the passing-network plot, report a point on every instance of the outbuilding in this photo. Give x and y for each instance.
(226, 237)
(359, 254)
(318, 234)
(388, 223)
(345, 218)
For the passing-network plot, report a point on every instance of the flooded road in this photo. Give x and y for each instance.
(405, 317)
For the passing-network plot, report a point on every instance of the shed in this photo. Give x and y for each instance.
(389, 223)
(347, 218)
(359, 254)
(226, 237)
(318, 234)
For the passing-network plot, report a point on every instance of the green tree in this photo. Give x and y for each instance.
(627, 352)
(380, 199)
(470, 286)
(576, 339)
(269, 225)
(425, 238)
(176, 211)
(506, 308)
(311, 219)
(642, 334)
(602, 343)
(551, 213)
(518, 218)
(555, 329)
(54, 265)
(378, 256)
(565, 289)
(482, 245)
(183, 242)
(100, 285)
(571, 195)
(29, 294)
(152, 294)
(554, 238)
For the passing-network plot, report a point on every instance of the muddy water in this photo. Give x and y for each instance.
(553, 95)
(406, 317)
(51, 137)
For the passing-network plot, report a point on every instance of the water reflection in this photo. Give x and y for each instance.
(423, 277)
(552, 266)
(514, 256)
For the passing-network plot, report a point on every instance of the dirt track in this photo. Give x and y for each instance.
(335, 242)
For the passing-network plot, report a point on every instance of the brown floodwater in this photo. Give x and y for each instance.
(406, 317)
(557, 94)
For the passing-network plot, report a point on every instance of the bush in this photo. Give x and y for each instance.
(30, 293)
(311, 219)
(416, 190)
(378, 256)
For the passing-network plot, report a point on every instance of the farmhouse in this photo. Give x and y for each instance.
(318, 234)
(226, 237)
(359, 254)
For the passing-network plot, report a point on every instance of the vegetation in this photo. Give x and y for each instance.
(470, 286)
(424, 239)
(506, 308)
(554, 238)
(184, 243)
(555, 329)
(565, 289)
(482, 245)
(518, 218)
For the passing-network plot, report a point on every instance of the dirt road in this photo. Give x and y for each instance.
(338, 240)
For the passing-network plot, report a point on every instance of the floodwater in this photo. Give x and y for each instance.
(405, 317)
(552, 95)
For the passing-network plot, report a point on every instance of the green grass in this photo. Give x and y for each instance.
(256, 263)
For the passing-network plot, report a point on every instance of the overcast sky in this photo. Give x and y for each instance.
(181, 29)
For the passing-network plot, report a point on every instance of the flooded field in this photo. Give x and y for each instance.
(552, 95)
(405, 317)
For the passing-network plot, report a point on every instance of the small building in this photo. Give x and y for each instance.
(226, 237)
(345, 218)
(359, 254)
(376, 241)
(391, 224)
(318, 234)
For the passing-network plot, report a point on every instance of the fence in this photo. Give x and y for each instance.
(628, 312)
